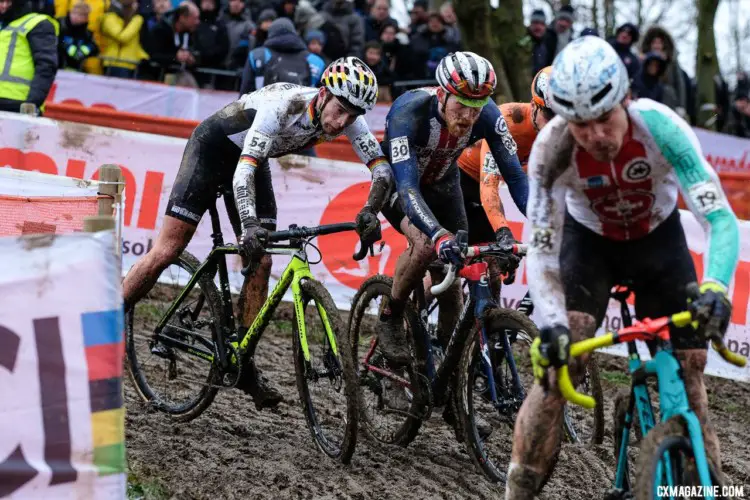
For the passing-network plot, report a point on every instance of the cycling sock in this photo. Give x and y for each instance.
(523, 482)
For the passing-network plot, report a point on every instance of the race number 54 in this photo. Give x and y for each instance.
(15, 470)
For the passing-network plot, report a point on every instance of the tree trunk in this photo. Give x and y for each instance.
(609, 18)
(706, 64)
(506, 44)
(640, 13)
(595, 14)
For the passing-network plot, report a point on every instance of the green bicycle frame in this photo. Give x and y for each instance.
(297, 270)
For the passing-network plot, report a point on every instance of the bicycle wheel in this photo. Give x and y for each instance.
(390, 412)
(668, 442)
(327, 382)
(172, 380)
(478, 413)
(580, 427)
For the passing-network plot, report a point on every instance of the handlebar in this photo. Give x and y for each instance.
(473, 252)
(297, 233)
(648, 329)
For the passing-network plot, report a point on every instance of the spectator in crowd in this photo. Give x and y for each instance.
(418, 16)
(396, 54)
(625, 37)
(373, 57)
(43, 7)
(723, 102)
(286, 8)
(743, 84)
(647, 83)
(260, 36)
(121, 30)
(239, 27)
(306, 18)
(160, 8)
(76, 42)
(352, 27)
(564, 27)
(430, 46)
(379, 16)
(589, 32)
(283, 58)
(657, 39)
(211, 44)
(34, 59)
(315, 41)
(448, 13)
(544, 41)
(172, 43)
(740, 120)
(256, 7)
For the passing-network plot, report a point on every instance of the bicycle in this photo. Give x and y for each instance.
(672, 451)
(198, 330)
(425, 383)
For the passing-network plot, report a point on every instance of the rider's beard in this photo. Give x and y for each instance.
(459, 128)
(604, 151)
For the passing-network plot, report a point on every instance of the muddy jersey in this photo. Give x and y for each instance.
(625, 199)
(280, 119)
(422, 152)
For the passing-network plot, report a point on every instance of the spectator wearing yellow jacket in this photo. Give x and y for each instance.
(97, 10)
(121, 33)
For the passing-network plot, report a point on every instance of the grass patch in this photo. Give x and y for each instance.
(284, 326)
(149, 311)
(617, 378)
(731, 407)
(149, 489)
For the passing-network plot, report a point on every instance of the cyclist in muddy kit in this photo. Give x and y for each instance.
(232, 148)
(604, 176)
(426, 131)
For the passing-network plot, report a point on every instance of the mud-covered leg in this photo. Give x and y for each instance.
(538, 431)
(693, 363)
(252, 296)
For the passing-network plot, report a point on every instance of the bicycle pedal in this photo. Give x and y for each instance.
(162, 351)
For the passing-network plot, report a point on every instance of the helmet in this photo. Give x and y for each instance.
(468, 76)
(353, 81)
(588, 79)
(540, 88)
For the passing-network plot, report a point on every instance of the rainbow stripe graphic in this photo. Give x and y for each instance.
(102, 338)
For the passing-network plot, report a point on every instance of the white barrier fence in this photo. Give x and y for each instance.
(309, 191)
(61, 407)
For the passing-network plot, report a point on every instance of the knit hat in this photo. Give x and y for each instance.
(538, 16)
(315, 35)
(632, 28)
(566, 13)
(589, 32)
(267, 15)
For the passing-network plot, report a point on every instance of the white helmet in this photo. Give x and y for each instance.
(353, 81)
(588, 79)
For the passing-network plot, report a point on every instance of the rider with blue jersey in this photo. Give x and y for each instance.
(426, 130)
(604, 177)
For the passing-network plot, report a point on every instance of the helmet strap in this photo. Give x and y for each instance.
(534, 114)
(321, 105)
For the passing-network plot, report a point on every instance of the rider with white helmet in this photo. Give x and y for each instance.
(231, 148)
(604, 178)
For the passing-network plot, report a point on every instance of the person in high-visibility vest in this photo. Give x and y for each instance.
(28, 55)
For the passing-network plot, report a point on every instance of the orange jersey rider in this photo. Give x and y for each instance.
(480, 177)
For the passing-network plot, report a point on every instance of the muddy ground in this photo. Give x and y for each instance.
(233, 451)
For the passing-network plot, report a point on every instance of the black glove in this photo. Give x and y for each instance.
(711, 307)
(555, 346)
(368, 226)
(448, 250)
(509, 264)
(252, 240)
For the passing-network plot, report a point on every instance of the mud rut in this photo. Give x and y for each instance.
(233, 451)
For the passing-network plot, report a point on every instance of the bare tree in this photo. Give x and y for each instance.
(500, 36)
(609, 18)
(706, 62)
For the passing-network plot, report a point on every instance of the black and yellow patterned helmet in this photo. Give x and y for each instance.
(350, 79)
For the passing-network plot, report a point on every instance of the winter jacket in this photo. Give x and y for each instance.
(76, 44)
(352, 26)
(122, 40)
(428, 49)
(400, 59)
(542, 50)
(283, 44)
(239, 29)
(163, 43)
(98, 9)
(43, 44)
(211, 41)
(373, 27)
(306, 18)
(630, 60)
(650, 86)
(673, 76)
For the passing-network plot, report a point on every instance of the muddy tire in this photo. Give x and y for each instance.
(471, 401)
(204, 301)
(670, 437)
(575, 432)
(334, 430)
(380, 422)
